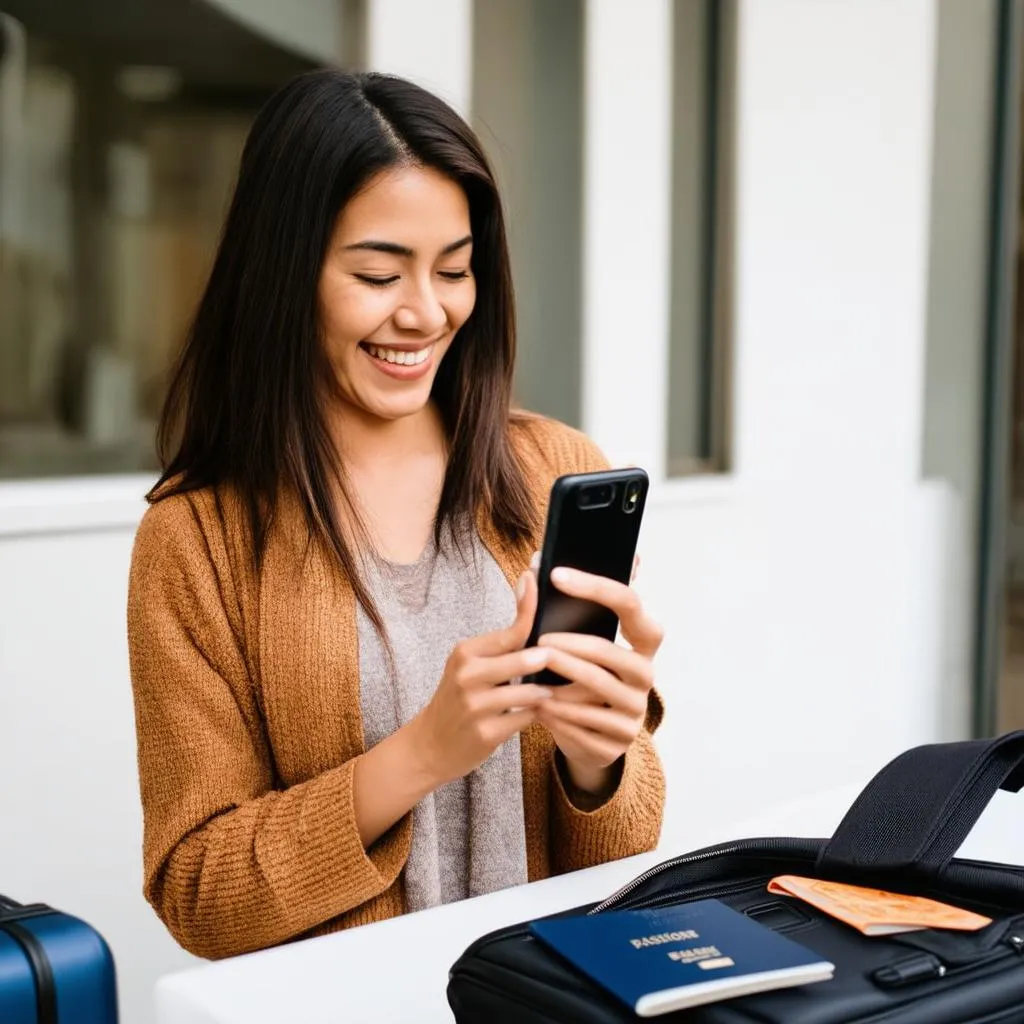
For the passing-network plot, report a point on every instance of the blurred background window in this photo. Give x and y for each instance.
(120, 130)
(703, 72)
(528, 111)
(528, 106)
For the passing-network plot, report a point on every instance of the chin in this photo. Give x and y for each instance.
(393, 415)
(394, 407)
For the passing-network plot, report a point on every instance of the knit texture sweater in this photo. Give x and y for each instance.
(248, 724)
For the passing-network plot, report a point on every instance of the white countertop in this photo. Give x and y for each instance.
(397, 970)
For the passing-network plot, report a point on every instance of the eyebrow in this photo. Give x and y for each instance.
(394, 249)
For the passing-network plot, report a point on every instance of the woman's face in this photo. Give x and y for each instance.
(395, 287)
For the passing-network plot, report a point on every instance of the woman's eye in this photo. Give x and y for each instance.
(454, 275)
(377, 282)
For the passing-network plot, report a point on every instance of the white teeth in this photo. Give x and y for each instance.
(402, 358)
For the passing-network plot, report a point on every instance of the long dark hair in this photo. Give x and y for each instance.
(245, 407)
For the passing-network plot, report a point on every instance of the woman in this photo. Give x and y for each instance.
(321, 608)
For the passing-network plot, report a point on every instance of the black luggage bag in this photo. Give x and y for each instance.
(901, 834)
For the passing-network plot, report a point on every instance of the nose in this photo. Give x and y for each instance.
(421, 311)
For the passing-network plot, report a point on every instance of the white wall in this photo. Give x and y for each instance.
(70, 820)
(803, 595)
(626, 218)
(429, 43)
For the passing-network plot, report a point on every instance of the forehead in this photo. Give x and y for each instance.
(414, 206)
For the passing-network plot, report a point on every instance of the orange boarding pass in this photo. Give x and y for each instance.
(875, 912)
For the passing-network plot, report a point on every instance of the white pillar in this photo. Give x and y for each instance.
(835, 104)
(430, 43)
(626, 228)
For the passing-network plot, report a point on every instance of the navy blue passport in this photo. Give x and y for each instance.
(657, 961)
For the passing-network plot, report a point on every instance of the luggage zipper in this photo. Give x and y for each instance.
(746, 846)
(949, 975)
(694, 894)
(707, 892)
(689, 858)
(928, 967)
(1015, 941)
(42, 971)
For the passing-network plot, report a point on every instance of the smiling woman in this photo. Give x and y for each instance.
(398, 298)
(331, 587)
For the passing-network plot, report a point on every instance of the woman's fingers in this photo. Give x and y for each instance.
(487, 672)
(594, 747)
(606, 722)
(501, 700)
(641, 632)
(502, 641)
(603, 687)
(504, 727)
(627, 665)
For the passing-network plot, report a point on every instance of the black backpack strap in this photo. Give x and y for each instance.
(918, 810)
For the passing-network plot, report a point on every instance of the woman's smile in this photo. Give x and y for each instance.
(400, 363)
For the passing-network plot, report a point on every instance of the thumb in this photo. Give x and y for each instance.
(526, 608)
(513, 637)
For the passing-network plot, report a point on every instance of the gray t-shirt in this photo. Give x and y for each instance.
(468, 836)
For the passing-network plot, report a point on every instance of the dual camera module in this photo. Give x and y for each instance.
(602, 495)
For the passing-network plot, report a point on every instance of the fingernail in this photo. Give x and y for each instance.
(535, 560)
(535, 658)
(544, 694)
(521, 587)
(561, 575)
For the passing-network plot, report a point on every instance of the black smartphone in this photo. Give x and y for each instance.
(593, 525)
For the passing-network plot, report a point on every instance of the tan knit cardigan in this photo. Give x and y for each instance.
(246, 694)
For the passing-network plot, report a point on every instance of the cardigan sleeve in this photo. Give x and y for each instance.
(232, 862)
(627, 823)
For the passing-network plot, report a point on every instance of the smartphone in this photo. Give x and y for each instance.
(593, 525)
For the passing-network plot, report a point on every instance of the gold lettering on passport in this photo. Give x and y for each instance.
(694, 953)
(658, 940)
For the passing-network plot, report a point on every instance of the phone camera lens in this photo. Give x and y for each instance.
(599, 496)
(632, 497)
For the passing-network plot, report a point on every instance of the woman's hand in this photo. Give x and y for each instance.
(597, 717)
(471, 714)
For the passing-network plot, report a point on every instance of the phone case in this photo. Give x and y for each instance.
(586, 532)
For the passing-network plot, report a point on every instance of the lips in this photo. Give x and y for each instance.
(398, 356)
(400, 364)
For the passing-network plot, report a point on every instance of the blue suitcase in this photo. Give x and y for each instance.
(54, 969)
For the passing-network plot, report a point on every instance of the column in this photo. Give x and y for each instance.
(626, 228)
(429, 43)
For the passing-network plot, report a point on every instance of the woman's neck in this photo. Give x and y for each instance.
(364, 441)
(395, 471)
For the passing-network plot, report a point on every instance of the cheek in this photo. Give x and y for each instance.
(350, 314)
(462, 306)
